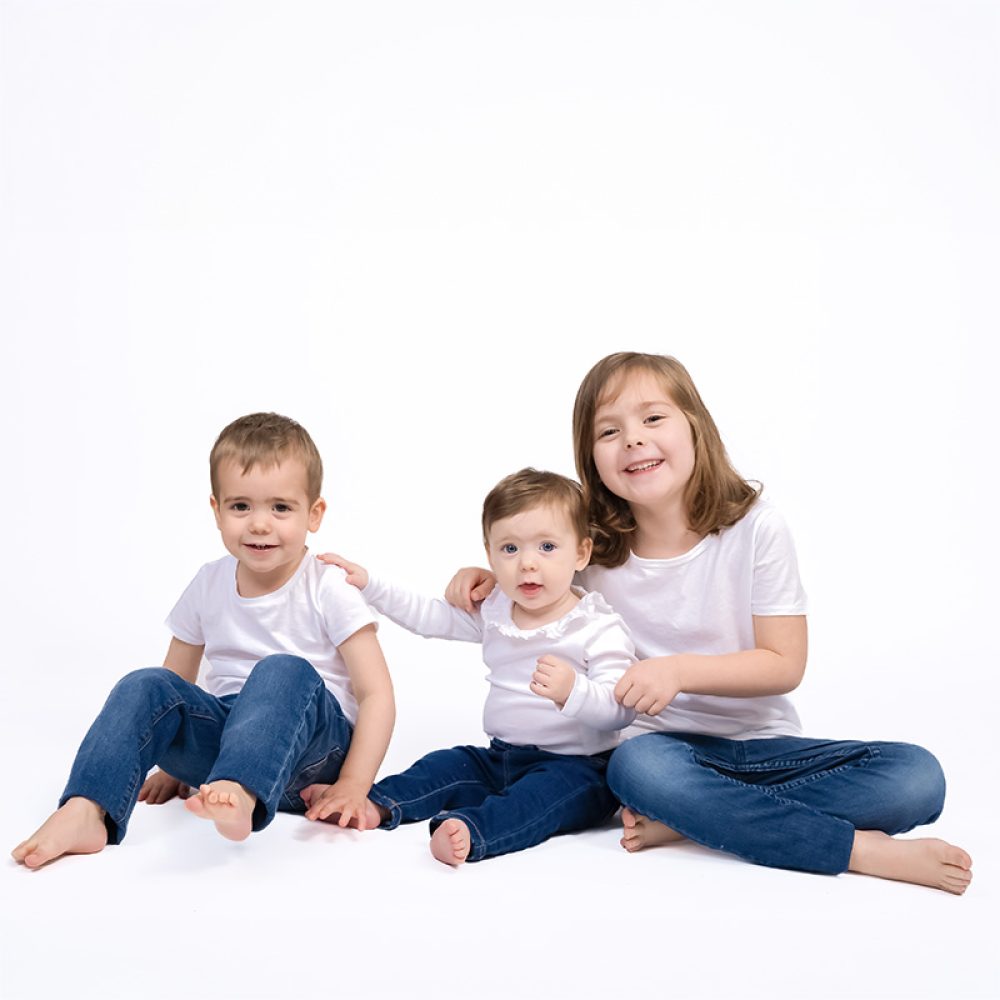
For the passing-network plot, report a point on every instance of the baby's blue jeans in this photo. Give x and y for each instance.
(282, 732)
(510, 797)
(787, 802)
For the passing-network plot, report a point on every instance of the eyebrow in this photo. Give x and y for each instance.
(287, 502)
(647, 404)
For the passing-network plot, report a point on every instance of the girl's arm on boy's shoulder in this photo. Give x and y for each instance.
(372, 687)
(774, 666)
(184, 660)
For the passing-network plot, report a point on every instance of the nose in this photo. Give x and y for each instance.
(258, 523)
(634, 439)
(527, 559)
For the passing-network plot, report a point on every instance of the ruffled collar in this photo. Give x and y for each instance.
(497, 613)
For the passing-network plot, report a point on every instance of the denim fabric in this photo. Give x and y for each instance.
(283, 731)
(786, 802)
(510, 797)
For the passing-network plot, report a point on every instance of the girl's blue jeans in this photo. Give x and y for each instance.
(510, 797)
(282, 732)
(786, 802)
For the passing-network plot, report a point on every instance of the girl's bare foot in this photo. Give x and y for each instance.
(451, 843)
(926, 861)
(639, 832)
(76, 827)
(228, 805)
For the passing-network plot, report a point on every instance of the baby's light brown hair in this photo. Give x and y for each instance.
(530, 488)
(265, 439)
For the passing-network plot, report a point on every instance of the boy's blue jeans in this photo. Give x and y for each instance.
(510, 797)
(786, 802)
(282, 732)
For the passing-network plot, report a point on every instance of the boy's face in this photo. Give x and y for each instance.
(264, 516)
(534, 555)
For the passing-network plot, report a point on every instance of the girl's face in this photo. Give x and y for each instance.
(643, 444)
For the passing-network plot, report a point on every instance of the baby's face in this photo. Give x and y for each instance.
(264, 516)
(534, 555)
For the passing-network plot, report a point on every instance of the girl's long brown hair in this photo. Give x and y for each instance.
(716, 495)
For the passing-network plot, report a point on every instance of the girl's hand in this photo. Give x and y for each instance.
(553, 679)
(357, 575)
(160, 787)
(469, 586)
(345, 799)
(650, 685)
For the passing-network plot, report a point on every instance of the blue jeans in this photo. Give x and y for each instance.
(282, 732)
(786, 802)
(510, 797)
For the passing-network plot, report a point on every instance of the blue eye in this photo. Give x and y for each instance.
(548, 546)
(509, 549)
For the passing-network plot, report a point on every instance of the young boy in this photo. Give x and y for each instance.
(554, 654)
(298, 690)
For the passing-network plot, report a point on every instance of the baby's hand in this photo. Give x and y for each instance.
(468, 587)
(357, 575)
(340, 802)
(553, 679)
(160, 787)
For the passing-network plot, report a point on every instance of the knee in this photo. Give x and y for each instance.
(920, 784)
(149, 682)
(284, 669)
(643, 766)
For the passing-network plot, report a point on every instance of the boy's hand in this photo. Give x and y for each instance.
(346, 799)
(650, 685)
(468, 587)
(357, 575)
(553, 679)
(160, 787)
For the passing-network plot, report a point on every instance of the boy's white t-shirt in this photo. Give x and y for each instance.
(310, 616)
(704, 602)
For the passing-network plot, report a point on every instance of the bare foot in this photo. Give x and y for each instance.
(228, 805)
(451, 843)
(76, 827)
(640, 832)
(926, 861)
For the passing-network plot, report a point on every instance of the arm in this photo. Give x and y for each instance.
(774, 666)
(376, 715)
(590, 697)
(183, 659)
(432, 618)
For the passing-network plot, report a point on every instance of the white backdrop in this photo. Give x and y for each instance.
(414, 227)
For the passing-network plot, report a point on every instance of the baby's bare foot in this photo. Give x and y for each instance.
(228, 805)
(926, 861)
(451, 843)
(76, 827)
(639, 832)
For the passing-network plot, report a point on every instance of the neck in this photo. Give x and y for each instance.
(250, 584)
(662, 533)
(526, 618)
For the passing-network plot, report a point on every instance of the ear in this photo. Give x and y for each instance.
(216, 511)
(489, 556)
(316, 512)
(584, 553)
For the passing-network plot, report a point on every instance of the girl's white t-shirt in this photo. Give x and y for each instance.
(310, 616)
(703, 602)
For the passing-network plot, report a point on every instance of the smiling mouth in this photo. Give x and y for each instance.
(653, 463)
(258, 547)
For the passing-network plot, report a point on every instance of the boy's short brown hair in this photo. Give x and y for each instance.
(530, 488)
(265, 439)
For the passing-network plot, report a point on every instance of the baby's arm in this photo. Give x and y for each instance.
(426, 616)
(372, 687)
(183, 659)
(591, 699)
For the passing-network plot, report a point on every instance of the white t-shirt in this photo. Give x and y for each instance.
(591, 637)
(704, 602)
(310, 616)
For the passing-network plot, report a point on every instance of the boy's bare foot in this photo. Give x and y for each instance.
(76, 827)
(639, 832)
(228, 805)
(451, 843)
(926, 861)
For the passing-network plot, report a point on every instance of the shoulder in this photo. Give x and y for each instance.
(761, 523)
(214, 574)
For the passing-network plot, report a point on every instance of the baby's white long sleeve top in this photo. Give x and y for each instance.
(591, 637)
